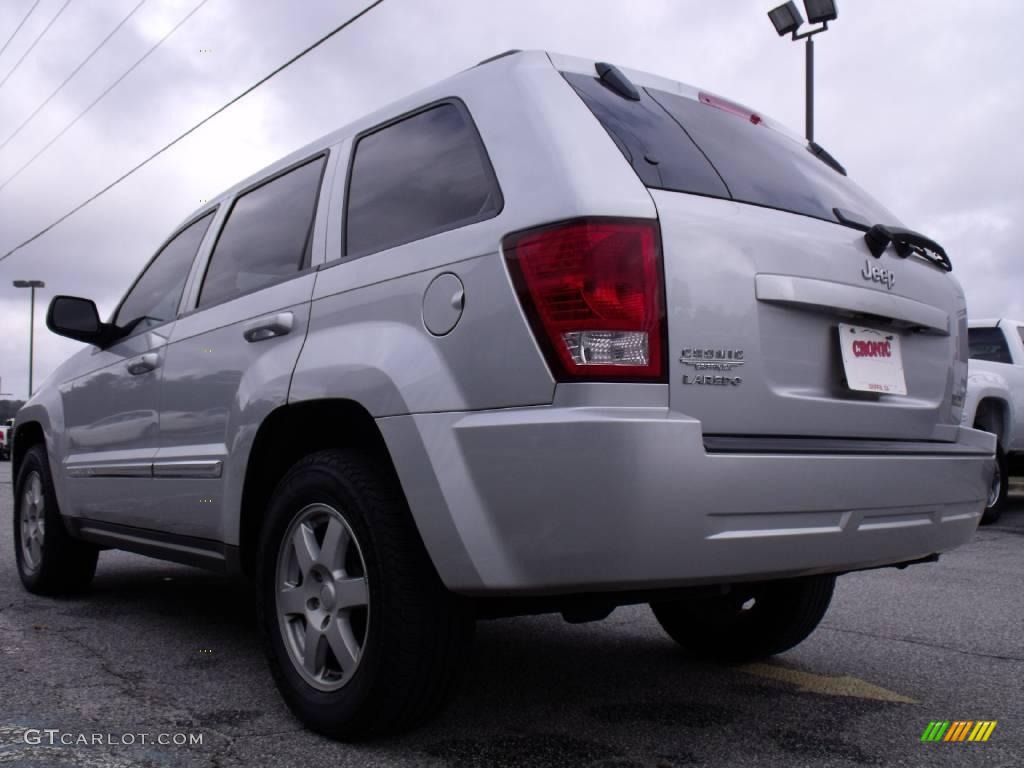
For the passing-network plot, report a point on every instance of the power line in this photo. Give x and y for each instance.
(95, 101)
(26, 53)
(17, 29)
(75, 72)
(202, 122)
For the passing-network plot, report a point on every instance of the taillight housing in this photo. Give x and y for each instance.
(594, 295)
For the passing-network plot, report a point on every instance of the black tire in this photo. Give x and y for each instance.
(64, 565)
(1000, 490)
(783, 614)
(415, 633)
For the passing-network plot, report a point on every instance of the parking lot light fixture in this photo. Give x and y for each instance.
(32, 285)
(820, 11)
(787, 21)
(786, 18)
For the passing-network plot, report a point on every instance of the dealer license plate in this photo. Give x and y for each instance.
(872, 360)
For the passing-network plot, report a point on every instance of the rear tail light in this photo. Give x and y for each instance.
(592, 289)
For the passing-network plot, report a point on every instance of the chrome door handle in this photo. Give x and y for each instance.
(143, 363)
(269, 327)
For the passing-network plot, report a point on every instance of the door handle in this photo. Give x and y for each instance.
(269, 327)
(143, 363)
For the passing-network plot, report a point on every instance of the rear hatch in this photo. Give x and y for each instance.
(761, 277)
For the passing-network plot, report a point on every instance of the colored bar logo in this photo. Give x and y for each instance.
(958, 730)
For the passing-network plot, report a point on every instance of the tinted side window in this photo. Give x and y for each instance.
(267, 235)
(644, 132)
(766, 167)
(420, 176)
(154, 297)
(988, 344)
(1020, 330)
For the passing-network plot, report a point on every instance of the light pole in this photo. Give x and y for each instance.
(787, 20)
(31, 284)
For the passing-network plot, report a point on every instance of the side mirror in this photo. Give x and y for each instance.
(78, 319)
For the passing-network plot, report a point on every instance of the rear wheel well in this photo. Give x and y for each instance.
(287, 435)
(28, 434)
(991, 416)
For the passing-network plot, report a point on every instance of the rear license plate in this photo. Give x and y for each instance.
(872, 360)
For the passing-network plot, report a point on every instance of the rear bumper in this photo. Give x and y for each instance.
(551, 500)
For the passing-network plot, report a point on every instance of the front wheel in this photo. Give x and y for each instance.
(752, 621)
(363, 638)
(49, 560)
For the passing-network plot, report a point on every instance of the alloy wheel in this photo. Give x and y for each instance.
(322, 597)
(33, 522)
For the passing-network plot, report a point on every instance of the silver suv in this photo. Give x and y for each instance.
(550, 335)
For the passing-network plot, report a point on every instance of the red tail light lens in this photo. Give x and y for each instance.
(729, 106)
(592, 289)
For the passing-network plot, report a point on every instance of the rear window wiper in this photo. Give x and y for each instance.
(906, 242)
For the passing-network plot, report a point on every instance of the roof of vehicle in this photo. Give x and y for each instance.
(990, 322)
(487, 69)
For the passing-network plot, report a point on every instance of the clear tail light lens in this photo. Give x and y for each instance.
(593, 291)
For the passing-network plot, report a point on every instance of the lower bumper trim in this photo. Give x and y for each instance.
(837, 446)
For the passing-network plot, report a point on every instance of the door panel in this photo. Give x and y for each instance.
(112, 425)
(112, 412)
(227, 368)
(230, 361)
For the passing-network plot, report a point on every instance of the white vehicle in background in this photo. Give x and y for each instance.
(995, 398)
(5, 442)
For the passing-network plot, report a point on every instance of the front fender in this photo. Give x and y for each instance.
(46, 410)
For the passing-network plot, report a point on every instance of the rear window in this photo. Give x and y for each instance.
(267, 236)
(708, 150)
(662, 155)
(988, 344)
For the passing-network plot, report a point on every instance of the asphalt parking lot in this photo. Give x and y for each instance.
(163, 649)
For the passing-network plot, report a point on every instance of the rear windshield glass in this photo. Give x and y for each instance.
(662, 155)
(752, 162)
(988, 344)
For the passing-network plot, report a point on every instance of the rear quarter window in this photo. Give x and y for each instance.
(988, 344)
(418, 176)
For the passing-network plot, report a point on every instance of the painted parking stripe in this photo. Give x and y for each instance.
(826, 685)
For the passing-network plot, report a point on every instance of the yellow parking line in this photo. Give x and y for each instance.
(826, 685)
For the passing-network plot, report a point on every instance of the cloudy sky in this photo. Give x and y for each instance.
(920, 100)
